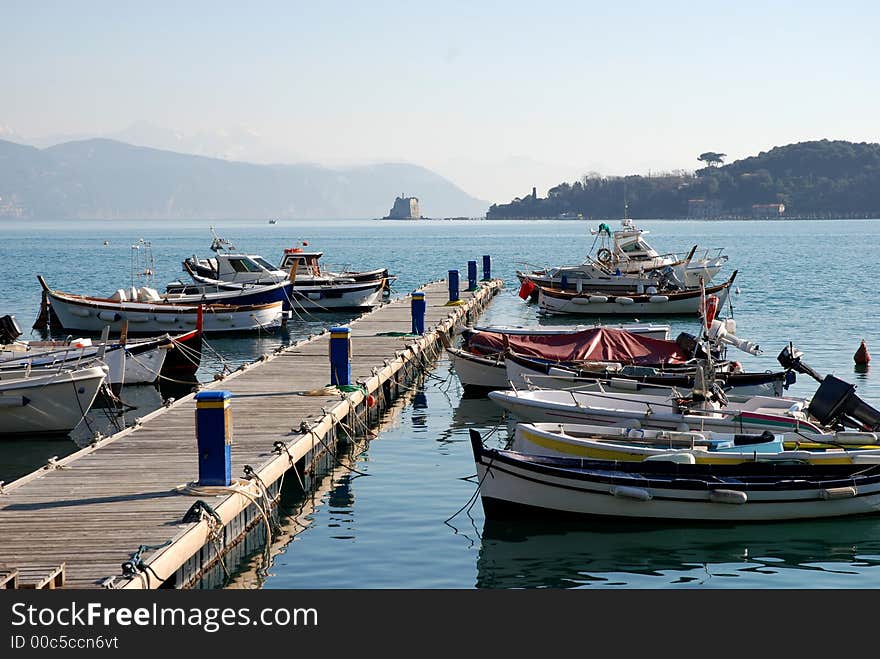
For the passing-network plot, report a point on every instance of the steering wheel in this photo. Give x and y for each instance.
(604, 255)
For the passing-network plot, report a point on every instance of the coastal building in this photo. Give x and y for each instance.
(704, 209)
(767, 211)
(405, 208)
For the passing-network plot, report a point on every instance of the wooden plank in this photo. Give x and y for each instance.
(41, 576)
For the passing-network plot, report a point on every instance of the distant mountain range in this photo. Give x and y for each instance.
(108, 179)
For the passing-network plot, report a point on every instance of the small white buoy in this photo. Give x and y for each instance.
(736, 290)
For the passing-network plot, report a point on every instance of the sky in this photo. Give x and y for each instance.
(496, 96)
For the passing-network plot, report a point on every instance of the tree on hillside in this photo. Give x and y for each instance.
(711, 158)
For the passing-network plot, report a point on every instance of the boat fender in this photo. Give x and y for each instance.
(79, 311)
(627, 492)
(624, 300)
(110, 316)
(838, 492)
(728, 496)
(580, 300)
(658, 298)
(858, 438)
(682, 458)
(598, 299)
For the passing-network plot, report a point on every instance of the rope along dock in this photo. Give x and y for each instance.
(126, 512)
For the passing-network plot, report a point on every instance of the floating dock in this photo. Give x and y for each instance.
(128, 511)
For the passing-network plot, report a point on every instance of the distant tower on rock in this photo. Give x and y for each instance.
(405, 208)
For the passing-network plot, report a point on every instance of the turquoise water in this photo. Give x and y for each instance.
(407, 519)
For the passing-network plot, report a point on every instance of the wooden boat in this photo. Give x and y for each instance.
(692, 447)
(834, 406)
(480, 363)
(83, 313)
(552, 301)
(513, 483)
(47, 401)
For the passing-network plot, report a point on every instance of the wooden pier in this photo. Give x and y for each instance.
(126, 512)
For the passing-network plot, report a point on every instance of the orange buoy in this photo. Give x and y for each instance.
(862, 357)
(711, 309)
(371, 400)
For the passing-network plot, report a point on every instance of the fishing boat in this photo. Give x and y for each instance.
(834, 406)
(47, 401)
(693, 447)
(553, 301)
(84, 313)
(480, 360)
(519, 484)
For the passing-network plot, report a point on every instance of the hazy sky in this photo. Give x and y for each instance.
(498, 96)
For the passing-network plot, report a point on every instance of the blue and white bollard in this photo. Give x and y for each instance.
(453, 285)
(417, 306)
(340, 356)
(214, 437)
(487, 267)
(472, 275)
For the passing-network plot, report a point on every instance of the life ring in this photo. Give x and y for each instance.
(604, 255)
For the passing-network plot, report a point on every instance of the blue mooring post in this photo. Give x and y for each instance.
(214, 437)
(472, 275)
(340, 355)
(418, 307)
(453, 285)
(487, 267)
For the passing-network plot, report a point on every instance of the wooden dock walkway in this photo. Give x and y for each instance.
(112, 515)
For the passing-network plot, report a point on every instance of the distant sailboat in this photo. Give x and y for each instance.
(273, 221)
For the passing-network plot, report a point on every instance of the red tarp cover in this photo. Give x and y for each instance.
(598, 345)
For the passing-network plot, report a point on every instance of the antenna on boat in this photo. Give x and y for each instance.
(218, 243)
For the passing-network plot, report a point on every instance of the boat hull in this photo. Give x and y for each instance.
(665, 491)
(612, 409)
(87, 314)
(552, 302)
(48, 403)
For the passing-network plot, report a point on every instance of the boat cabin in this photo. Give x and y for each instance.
(244, 268)
(305, 263)
(629, 244)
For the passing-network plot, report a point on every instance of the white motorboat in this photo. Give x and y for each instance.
(833, 407)
(517, 484)
(553, 301)
(529, 373)
(47, 401)
(306, 283)
(624, 261)
(627, 250)
(83, 313)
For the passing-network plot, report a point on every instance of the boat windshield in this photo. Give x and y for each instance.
(263, 262)
(244, 264)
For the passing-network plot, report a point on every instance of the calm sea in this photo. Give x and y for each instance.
(404, 516)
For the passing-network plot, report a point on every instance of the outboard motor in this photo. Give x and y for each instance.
(670, 279)
(9, 329)
(835, 402)
(790, 359)
(688, 343)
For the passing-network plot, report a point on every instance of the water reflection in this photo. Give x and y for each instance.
(534, 554)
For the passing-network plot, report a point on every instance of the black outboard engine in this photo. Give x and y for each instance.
(688, 343)
(835, 403)
(790, 359)
(9, 329)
